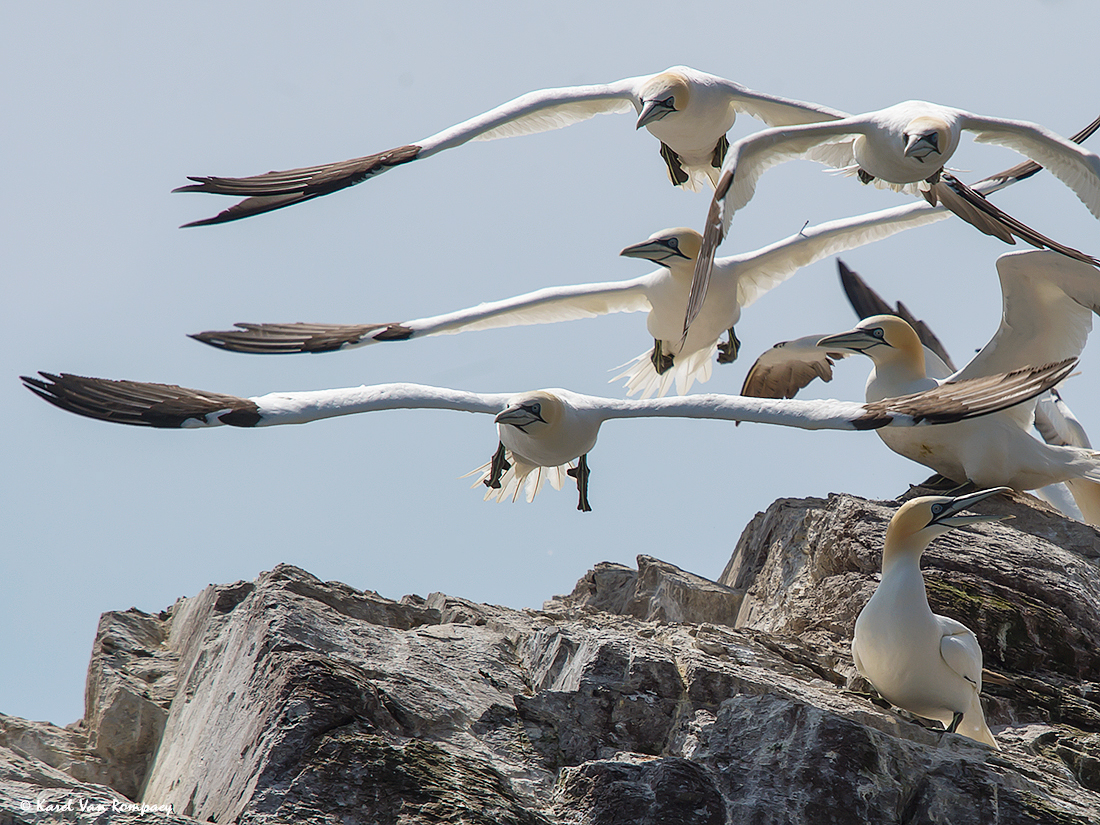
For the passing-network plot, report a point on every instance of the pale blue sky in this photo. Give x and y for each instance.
(109, 106)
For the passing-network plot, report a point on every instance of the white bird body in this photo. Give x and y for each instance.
(1048, 304)
(930, 665)
(539, 430)
(687, 110)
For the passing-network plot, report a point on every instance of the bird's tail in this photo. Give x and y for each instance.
(1086, 493)
(642, 377)
(973, 724)
(520, 476)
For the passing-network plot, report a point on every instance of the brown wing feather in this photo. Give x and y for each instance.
(274, 190)
(278, 339)
(139, 403)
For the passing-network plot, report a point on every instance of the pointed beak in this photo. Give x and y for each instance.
(920, 146)
(856, 340)
(518, 416)
(654, 110)
(655, 251)
(948, 517)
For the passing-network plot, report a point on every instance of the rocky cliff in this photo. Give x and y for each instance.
(648, 695)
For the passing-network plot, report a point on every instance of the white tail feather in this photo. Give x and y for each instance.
(641, 376)
(520, 476)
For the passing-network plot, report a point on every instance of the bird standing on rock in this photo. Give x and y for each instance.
(928, 664)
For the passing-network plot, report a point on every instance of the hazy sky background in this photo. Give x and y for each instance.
(107, 107)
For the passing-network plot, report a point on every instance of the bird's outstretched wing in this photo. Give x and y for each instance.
(544, 306)
(533, 112)
(171, 406)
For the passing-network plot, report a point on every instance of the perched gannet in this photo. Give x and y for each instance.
(905, 147)
(1048, 304)
(688, 111)
(543, 434)
(738, 281)
(930, 665)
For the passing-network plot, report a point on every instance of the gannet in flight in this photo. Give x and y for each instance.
(928, 664)
(674, 360)
(904, 147)
(1048, 304)
(543, 434)
(1054, 420)
(688, 111)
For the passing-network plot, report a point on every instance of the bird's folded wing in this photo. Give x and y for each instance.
(960, 650)
(543, 306)
(171, 406)
(1077, 168)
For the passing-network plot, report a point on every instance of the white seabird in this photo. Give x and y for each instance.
(928, 664)
(688, 111)
(904, 147)
(1054, 420)
(1048, 304)
(543, 434)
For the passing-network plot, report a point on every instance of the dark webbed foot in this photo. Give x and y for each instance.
(720, 149)
(661, 361)
(581, 473)
(498, 466)
(727, 350)
(675, 168)
(955, 719)
(864, 177)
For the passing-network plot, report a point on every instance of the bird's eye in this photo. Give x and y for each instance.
(878, 333)
(674, 243)
(937, 509)
(536, 409)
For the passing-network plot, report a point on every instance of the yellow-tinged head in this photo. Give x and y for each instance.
(928, 135)
(882, 338)
(662, 95)
(920, 520)
(668, 246)
(532, 413)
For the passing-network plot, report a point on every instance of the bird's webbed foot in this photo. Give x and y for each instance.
(662, 361)
(720, 149)
(498, 466)
(956, 718)
(727, 350)
(581, 473)
(864, 176)
(675, 168)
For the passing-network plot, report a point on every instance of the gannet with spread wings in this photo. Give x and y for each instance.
(1048, 302)
(905, 147)
(543, 434)
(688, 111)
(930, 665)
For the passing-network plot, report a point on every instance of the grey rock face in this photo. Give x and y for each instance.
(646, 696)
